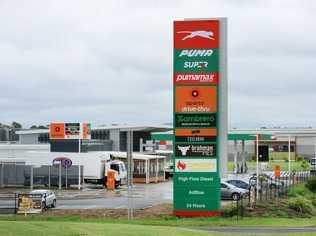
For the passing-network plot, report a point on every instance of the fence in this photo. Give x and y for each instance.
(20, 175)
(270, 188)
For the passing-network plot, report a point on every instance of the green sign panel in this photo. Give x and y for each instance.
(192, 60)
(196, 177)
(195, 120)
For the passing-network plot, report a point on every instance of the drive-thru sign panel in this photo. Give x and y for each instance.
(196, 92)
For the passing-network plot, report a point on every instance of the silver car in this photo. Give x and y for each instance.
(229, 191)
(48, 197)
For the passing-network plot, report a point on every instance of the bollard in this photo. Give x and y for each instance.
(110, 183)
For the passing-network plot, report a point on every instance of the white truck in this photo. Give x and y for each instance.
(95, 164)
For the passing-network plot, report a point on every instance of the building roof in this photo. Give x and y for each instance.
(33, 131)
(125, 127)
(137, 156)
(278, 132)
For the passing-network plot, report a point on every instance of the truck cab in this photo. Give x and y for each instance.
(121, 172)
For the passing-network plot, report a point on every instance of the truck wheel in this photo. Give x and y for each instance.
(54, 203)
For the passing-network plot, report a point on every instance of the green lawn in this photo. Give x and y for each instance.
(281, 156)
(32, 228)
(172, 221)
(63, 228)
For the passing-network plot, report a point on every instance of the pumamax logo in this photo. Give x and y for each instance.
(206, 78)
(198, 33)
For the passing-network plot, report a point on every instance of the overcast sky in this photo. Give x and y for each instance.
(111, 61)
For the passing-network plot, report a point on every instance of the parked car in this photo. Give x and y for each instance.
(229, 191)
(272, 183)
(239, 183)
(48, 197)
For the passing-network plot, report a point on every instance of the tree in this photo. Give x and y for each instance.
(16, 125)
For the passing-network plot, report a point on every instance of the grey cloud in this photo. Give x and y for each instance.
(111, 61)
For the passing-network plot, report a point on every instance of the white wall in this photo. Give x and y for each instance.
(19, 150)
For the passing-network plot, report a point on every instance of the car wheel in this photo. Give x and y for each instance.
(54, 203)
(235, 196)
(44, 205)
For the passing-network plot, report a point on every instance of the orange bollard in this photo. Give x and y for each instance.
(110, 183)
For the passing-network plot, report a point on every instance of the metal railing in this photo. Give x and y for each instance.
(271, 188)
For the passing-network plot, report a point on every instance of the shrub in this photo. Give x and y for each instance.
(299, 158)
(300, 205)
(314, 201)
(300, 190)
(286, 159)
(230, 211)
(305, 165)
(311, 184)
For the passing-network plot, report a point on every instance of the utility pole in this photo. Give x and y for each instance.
(79, 173)
(257, 157)
(130, 173)
(289, 147)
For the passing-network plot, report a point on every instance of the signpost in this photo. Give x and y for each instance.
(60, 132)
(199, 120)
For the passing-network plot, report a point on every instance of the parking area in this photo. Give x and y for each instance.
(96, 197)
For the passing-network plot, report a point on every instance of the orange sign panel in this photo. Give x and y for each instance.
(196, 99)
(57, 131)
(196, 132)
(86, 131)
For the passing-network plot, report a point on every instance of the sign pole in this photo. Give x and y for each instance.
(315, 147)
(79, 171)
(59, 175)
(31, 177)
(257, 158)
(130, 174)
(289, 151)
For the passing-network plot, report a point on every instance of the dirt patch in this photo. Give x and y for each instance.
(278, 208)
(150, 212)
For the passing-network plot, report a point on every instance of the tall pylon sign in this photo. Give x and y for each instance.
(199, 119)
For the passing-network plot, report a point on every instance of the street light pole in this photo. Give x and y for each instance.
(130, 173)
(79, 173)
(289, 151)
(257, 157)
